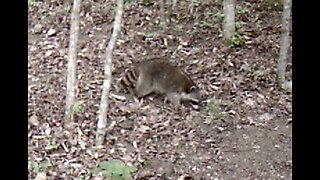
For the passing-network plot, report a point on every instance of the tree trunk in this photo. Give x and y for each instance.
(229, 16)
(72, 63)
(104, 104)
(284, 43)
(162, 15)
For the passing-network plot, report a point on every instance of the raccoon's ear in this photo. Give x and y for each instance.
(192, 88)
(126, 70)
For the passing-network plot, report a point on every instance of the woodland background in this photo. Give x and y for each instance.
(244, 131)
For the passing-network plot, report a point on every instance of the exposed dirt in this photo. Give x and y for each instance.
(243, 131)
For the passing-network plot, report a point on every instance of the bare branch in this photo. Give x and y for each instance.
(162, 15)
(72, 62)
(104, 104)
(284, 42)
(229, 19)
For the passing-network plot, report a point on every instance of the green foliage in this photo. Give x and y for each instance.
(116, 170)
(209, 19)
(53, 145)
(195, 3)
(242, 10)
(273, 5)
(77, 107)
(39, 167)
(237, 40)
(239, 25)
(218, 17)
(34, 166)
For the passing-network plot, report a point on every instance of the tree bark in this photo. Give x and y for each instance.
(229, 19)
(72, 63)
(162, 15)
(284, 43)
(104, 104)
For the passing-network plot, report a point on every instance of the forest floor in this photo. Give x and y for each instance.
(243, 130)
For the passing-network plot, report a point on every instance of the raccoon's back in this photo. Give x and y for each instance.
(165, 76)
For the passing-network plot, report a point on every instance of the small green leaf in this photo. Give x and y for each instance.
(243, 10)
(77, 107)
(52, 146)
(45, 165)
(34, 166)
(116, 169)
(131, 169)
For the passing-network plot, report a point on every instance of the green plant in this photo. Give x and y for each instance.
(242, 10)
(209, 19)
(273, 5)
(218, 17)
(77, 107)
(239, 25)
(39, 167)
(116, 170)
(237, 40)
(53, 145)
(194, 3)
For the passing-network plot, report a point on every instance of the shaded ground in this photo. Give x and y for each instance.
(243, 132)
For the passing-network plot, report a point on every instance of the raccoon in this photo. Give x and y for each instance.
(160, 77)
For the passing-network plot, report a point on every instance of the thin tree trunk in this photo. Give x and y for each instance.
(229, 19)
(173, 7)
(104, 104)
(162, 15)
(284, 43)
(72, 63)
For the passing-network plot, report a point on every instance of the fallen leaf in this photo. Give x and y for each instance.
(41, 176)
(34, 120)
(51, 32)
